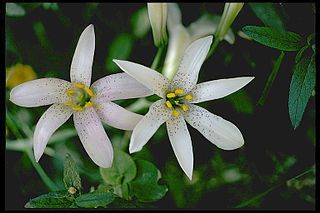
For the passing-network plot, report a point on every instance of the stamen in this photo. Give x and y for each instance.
(185, 107)
(77, 108)
(171, 95)
(175, 113)
(68, 103)
(81, 86)
(169, 105)
(89, 91)
(88, 104)
(70, 92)
(188, 97)
(179, 91)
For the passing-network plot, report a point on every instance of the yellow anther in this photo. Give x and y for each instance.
(179, 91)
(171, 95)
(169, 105)
(68, 103)
(77, 108)
(81, 86)
(188, 97)
(185, 107)
(88, 104)
(175, 113)
(70, 92)
(89, 91)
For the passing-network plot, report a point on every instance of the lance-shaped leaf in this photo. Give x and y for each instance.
(286, 41)
(57, 199)
(302, 84)
(94, 200)
(71, 177)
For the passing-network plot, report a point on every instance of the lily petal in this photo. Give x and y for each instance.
(194, 56)
(181, 143)
(81, 66)
(40, 92)
(158, 114)
(50, 121)
(118, 86)
(150, 78)
(174, 16)
(116, 116)
(215, 89)
(217, 130)
(93, 137)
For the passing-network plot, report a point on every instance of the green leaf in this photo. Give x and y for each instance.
(268, 15)
(14, 9)
(94, 200)
(271, 78)
(241, 101)
(285, 41)
(122, 203)
(58, 199)
(302, 83)
(145, 186)
(123, 169)
(50, 6)
(41, 34)
(120, 49)
(300, 53)
(71, 177)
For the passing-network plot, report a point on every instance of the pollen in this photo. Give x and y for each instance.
(185, 107)
(80, 86)
(175, 113)
(70, 92)
(88, 104)
(168, 103)
(171, 95)
(89, 91)
(179, 91)
(77, 108)
(188, 97)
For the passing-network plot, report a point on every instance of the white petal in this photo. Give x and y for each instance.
(158, 114)
(93, 137)
(211, 90)
(194, 56)
(181, 143)
(174, 16)
(116, 116)
(118, 86)
(50, 121)
(150, 78)
(81, 66)
(40, 92)
(217, 130)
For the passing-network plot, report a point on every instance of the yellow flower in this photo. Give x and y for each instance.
(19, 74)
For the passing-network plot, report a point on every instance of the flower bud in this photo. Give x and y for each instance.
(158, 20)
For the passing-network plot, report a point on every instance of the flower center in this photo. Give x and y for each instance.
(177, 101)
(80, 97)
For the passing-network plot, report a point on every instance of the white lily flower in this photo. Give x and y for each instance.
(181, 37)
(230, 12)
(87, 105)
(158, 20)
(177, 105)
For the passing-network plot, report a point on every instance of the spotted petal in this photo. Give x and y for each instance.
(211, 90)
(118, 86)
(40, 92)
(217, 130)
(194, 56)
(181, 143)
(50, 121)
(116, 116)
(93, 137)
(150, 78)
(158, 114)
(81, 66)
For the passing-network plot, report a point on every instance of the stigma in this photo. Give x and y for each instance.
(80, 97)
(177, 101)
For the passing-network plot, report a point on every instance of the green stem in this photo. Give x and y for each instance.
(213, 47)
(271, 78)
(156, 60)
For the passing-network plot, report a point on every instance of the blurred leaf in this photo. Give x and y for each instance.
(268, 15)
(41, 34)
(50, 6)
(94, 200)
(241, 101)
(122, 203)
(140, 23)
(71, 177)
(18, 74)
(123, 169)
(271, 78)
(301, 87)
(58, 199)
(255, 200)
(286, 41)
(145, 186)
(120, 49)
(14, 9)
(62, 135)
(311, 133)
